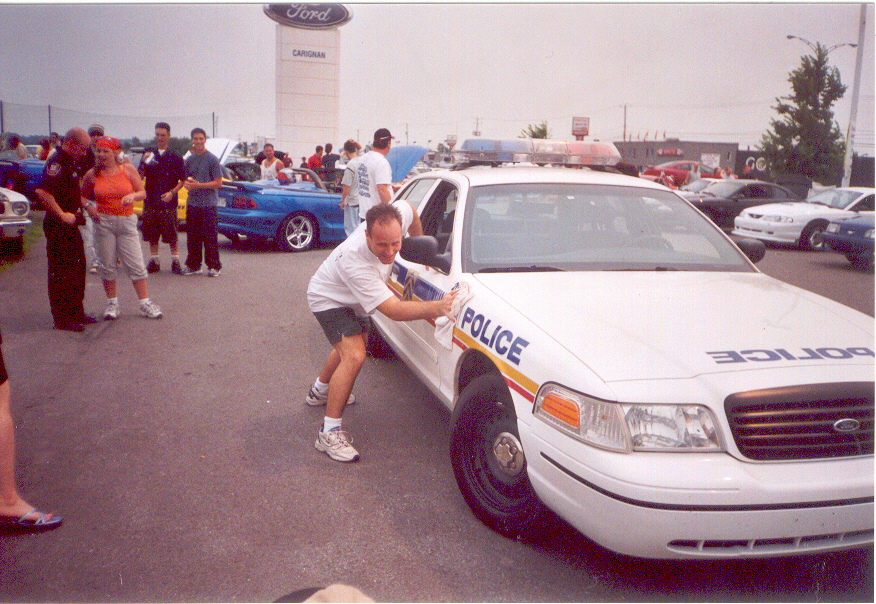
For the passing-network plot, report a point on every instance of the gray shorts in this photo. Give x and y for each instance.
(339, 322)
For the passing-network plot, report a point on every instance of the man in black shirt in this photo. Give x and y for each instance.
(328, 165)
(59, 193)
(165, 173)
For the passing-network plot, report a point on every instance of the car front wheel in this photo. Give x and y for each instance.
(297, 233)
(811, 238)
(488, 459)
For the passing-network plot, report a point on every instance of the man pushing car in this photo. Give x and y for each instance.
(349, 286)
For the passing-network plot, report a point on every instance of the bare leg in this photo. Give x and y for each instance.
(141, 286)
(110, 288)
(350, 356)
(11, 503)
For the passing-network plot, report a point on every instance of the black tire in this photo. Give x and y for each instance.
(496, 489)
(375, 345)
(811, 238)
(860, 263)
(297, 233)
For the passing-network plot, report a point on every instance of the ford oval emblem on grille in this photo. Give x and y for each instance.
(846, 425)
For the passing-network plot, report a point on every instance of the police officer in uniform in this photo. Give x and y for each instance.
(59, 193)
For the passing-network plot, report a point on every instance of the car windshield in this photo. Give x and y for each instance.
(697, 185)
(834, 198)
(580, 227)
(723, 188)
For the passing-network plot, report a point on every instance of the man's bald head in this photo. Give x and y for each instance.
(76, 142)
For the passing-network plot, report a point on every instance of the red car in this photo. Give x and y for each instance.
(679, 171)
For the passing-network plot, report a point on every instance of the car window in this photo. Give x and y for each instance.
(416, 191)
(438, 214)
(865, 205)
(548, 226)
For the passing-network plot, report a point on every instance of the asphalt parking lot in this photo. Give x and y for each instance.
(180, 453)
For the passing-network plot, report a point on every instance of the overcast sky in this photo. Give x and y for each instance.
(696, 72)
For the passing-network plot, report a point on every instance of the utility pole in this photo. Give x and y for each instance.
(853, 114)
(477, 130)
(625, 122)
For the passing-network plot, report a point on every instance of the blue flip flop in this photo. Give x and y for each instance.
(29, 523)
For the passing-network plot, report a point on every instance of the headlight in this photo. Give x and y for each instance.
(833, 227)
(672, 427)
(778, 219)
(19, 208)
(628, 427)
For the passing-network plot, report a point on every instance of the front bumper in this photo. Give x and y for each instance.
(854, 246)
(14, 229)
(776, 232)
(672, 505)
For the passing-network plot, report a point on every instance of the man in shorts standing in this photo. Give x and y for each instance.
(349, 286)
(165, 172)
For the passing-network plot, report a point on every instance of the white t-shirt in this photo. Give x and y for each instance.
(352, 276)
(270, 172)
(351, 179)
(373, 170)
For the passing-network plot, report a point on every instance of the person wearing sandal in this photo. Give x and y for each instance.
(15, 512)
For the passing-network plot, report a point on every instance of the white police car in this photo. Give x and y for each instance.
(617, 359)
(14, 221)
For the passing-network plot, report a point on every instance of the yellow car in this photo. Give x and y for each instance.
(220, 147)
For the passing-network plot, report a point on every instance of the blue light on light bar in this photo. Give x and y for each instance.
(537, 151)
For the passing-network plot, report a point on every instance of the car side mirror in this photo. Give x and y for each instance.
(753, 248)
(424, 250)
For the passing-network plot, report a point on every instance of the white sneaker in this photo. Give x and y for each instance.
(112, 311)
(213, 272)
(315, 399)
(150, 310)
(336, 444)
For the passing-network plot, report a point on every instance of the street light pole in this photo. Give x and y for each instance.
(853, 114)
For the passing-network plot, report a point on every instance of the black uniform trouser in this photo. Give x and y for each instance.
(66, 256)
(202, 237)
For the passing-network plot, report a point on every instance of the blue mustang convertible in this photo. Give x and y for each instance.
(297, 215)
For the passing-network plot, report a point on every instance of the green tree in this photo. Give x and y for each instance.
(536, 131)
(806, 139)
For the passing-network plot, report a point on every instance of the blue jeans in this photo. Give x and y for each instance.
(201, 228)
(351, 218)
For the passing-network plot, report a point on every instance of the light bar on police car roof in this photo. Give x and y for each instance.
(537, 151)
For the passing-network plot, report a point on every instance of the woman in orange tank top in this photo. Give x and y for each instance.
(111, 188)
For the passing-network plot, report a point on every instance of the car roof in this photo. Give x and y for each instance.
(480, 176)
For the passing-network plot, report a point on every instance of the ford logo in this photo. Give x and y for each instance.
(309, 16)
(846, 425)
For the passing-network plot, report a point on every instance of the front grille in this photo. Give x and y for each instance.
(770, 547)
(803, 422)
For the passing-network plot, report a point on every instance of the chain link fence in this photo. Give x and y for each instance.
(37, 121)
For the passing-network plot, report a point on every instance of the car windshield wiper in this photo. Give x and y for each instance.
(641, 270)
(520, 269)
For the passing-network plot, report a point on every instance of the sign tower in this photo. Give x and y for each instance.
(308, 75)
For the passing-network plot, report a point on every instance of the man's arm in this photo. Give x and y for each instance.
(48, 201)
(409, 310)
(385, 193)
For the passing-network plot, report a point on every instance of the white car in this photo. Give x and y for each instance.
(617, 359)
(802, 222)
(14, 209)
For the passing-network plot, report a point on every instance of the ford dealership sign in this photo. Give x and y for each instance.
(309, 16)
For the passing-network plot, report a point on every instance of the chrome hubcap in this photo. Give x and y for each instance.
(508, 454)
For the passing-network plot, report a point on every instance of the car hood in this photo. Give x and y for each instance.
(220, 147)
(797, 208)
(677, 325)
(403, 158)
